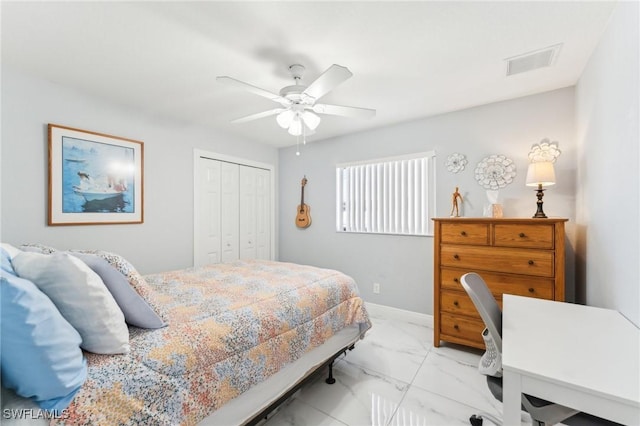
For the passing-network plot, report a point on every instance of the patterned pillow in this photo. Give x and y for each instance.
(38, 248)
(135, 279)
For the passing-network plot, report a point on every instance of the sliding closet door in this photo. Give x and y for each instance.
(229, 211)
(263, 214)
(248, 214)
(233, 212)
(255, 207)
(208, 235)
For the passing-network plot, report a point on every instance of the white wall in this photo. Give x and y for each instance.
(165, 240)
(404, 265)
(608, 213)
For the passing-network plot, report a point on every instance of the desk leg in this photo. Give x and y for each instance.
(512, 388)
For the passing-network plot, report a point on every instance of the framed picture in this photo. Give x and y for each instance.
(94, 178)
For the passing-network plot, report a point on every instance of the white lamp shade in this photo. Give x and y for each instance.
(295, 128)
(541, 173)
(285, 118)
(310, 119)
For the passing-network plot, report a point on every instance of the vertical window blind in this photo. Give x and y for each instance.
(387, 196)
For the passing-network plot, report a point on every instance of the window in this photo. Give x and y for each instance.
(387, 196)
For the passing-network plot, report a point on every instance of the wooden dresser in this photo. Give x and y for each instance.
(516, 256)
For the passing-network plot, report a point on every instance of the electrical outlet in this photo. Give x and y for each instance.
(376, 288)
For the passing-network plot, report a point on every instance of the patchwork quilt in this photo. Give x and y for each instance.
(231, 326)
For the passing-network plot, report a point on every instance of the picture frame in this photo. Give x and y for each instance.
(94, 178)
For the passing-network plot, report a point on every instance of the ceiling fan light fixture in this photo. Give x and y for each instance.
(285, 118)
(299, 111)
(310, 119)
(295, 128)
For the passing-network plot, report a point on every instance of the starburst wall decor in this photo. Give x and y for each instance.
(544, 151)
(456, 162)
(495, 172)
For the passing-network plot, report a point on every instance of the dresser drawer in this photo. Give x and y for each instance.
(523, 235)
(458, 303)
(520, 285)
(517, 261)
(458, 329)
(464, 233)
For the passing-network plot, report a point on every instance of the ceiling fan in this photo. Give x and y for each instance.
(298, 110)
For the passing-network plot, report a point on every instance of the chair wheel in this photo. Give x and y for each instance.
(475, 420)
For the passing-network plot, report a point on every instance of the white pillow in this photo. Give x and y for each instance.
(80, 296)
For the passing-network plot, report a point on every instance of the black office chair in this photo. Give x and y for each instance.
(542, 412)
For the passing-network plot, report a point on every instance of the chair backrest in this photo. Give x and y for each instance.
(486, 305)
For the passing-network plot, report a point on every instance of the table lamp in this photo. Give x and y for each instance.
(540, 174)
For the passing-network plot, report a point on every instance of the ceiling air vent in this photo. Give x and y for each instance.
(533, 60)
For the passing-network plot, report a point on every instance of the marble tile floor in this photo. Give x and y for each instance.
(395, 377)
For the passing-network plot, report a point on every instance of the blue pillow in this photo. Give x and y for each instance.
(7, 253)
(6, 262)
(40, 355)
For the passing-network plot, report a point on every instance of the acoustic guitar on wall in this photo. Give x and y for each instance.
(303, 218)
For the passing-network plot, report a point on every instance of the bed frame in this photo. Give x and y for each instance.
(264, 414)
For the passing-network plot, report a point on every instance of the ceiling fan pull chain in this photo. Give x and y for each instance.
(304, 133)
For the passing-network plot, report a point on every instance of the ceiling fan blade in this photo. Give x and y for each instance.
(253, 89)
(329, 79)
(344, 111)
(258, 115)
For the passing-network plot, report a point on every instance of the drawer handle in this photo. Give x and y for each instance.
(521, 235)
(531, 262)
(532, 290)
(464, 234)
(455, 303)
(455, 256)
(455, 280)
(456, 327)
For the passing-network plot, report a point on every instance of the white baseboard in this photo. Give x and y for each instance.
(389, 312)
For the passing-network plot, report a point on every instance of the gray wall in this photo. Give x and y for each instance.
(403, 265)
(608, 214)
(165, 240)
(598, 180)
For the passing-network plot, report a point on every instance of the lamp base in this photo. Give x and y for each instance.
(539, 213)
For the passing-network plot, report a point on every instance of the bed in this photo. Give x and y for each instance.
(239, 338)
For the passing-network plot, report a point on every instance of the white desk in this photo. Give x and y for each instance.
(579, 356)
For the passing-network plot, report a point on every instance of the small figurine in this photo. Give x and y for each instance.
(454, 200)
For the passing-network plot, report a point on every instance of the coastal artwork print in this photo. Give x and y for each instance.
(94, 178)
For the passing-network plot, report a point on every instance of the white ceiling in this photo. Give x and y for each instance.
(409, 59)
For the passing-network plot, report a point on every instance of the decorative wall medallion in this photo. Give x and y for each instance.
(495, 172)
(544, 151)
(456, 162)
